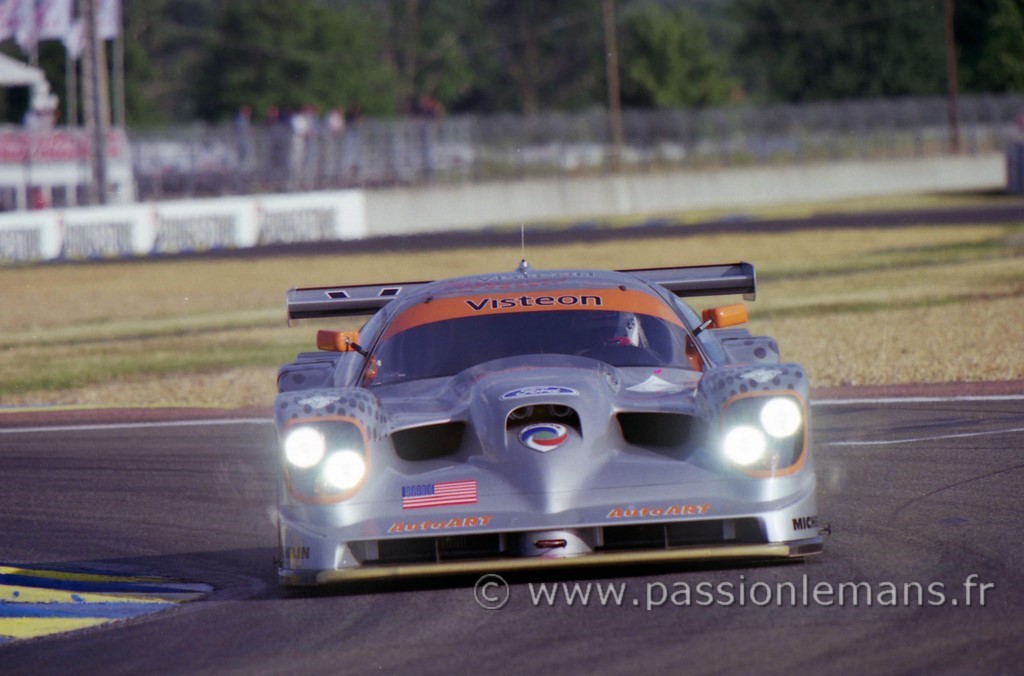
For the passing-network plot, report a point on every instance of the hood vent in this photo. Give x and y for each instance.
(428, 442)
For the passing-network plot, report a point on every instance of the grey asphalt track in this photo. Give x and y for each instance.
(923, 497)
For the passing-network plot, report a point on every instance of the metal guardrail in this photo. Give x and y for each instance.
(226, 159)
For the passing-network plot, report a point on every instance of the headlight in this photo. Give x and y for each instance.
(764, 432)
(304, 447)
(781, 417)
(344, 469)
(744, 445)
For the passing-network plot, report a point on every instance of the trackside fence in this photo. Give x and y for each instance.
(181, 226)
(259, 156)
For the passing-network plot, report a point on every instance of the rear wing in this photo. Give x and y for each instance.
(703, 280)
(344, 301)
(366, 299)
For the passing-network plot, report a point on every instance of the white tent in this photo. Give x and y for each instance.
(14, 73)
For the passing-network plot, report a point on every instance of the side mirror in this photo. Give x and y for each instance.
(727, 315)
(337, 341)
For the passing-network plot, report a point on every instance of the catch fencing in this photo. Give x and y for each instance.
(230, 159)
(203, 188)
(179, 226)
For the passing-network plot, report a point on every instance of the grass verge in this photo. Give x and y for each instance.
(887, 306)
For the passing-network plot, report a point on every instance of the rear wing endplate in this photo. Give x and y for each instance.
(344, 301)
(704, 280)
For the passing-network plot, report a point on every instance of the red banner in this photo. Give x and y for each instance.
(17, 147)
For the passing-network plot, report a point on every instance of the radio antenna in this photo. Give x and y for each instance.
(523, 265)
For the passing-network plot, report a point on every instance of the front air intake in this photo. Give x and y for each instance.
(428, 442)
(661, 430)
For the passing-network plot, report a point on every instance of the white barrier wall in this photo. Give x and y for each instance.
(181, 226)
(199, 225)
(475, 206)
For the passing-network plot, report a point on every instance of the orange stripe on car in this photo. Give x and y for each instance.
(611, 300)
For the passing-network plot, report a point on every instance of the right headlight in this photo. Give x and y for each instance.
(304, 447)
(744, 445)
(325, 459)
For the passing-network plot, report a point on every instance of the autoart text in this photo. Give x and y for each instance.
(463, 522)
(671, 510)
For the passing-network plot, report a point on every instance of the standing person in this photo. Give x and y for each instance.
(353, 155)
(427, 111)
(335, 125)
(243, 137)
(277, 128)
(313, 154)
(299, 126)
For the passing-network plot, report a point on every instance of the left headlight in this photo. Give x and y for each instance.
(763, 432)
(781, 417)
(304, 447)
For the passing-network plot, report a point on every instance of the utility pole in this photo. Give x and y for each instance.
(95, 94)
(954, 116)
(614, 93)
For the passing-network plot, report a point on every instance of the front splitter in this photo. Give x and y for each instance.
(781, 550)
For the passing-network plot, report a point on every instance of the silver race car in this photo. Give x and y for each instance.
(539, 418)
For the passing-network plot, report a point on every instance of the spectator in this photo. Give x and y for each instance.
(41, 113)
(243, 134)
(427, 111)
(335, 123)
(352, 156)
(302, 130)
(278, 129)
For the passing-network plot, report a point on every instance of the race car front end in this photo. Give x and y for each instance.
(545, 461)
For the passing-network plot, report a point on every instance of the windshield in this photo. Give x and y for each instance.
(448, 347)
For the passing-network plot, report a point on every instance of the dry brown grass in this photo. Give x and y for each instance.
(922, 304)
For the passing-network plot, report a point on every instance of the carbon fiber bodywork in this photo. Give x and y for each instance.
(538, 458)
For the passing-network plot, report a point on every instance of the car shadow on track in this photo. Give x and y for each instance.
(250, 574)
(464, 581)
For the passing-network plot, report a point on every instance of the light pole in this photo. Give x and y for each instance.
(612, 68)
(954, 116)
(94, 92)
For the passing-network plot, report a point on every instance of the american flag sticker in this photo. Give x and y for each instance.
(440, 494)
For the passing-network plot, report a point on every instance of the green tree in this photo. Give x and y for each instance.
(797, 50)
(427, 45)
(1000, 66)
(535, 55)
(667, 60)
(165, 42)
(267, 53)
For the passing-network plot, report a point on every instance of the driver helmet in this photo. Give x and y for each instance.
(618, 328)
(628, 331)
